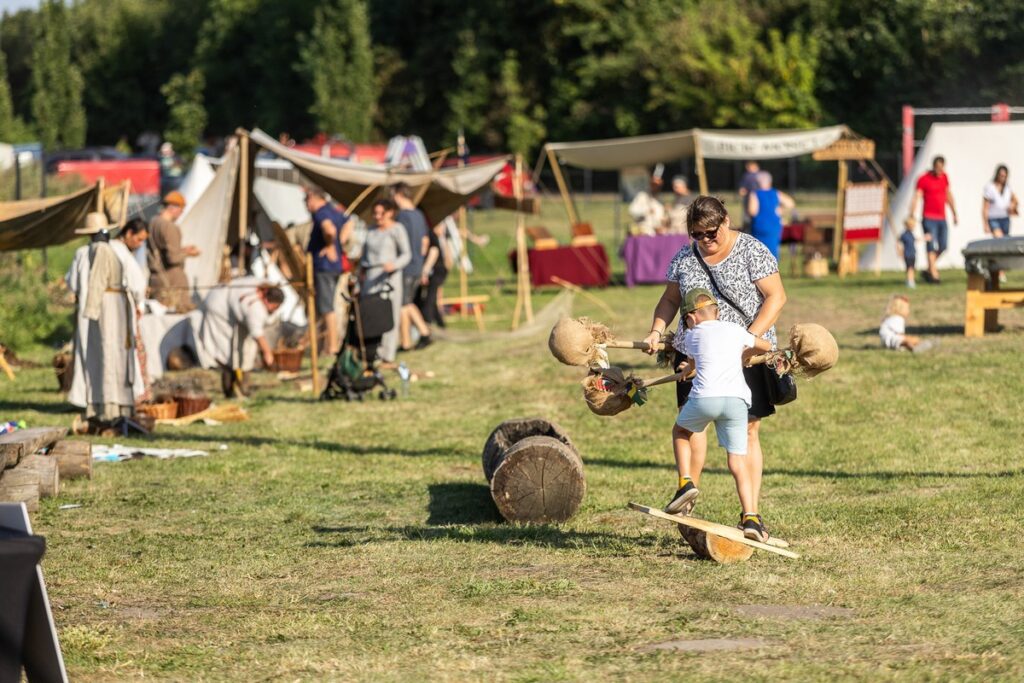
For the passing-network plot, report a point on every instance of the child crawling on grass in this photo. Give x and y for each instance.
(893, 330)
(715, 349)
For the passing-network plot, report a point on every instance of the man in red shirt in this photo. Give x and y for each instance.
(933, 189)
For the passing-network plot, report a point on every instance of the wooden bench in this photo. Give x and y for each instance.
(472, 302)
(984, 299)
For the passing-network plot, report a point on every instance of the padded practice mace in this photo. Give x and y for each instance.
(584, 342)
(812, 350)
(609, 391)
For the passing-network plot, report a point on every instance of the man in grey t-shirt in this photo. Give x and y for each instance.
(417, 228)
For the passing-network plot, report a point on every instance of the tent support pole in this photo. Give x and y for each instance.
(351, 208)
(837, 232)
(570, 210)
(243, 197)
(698, 156)
(438, 161)
(524, 303)
(314, 359)
(460, 151)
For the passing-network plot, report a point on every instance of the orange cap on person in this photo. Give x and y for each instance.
(174, 198)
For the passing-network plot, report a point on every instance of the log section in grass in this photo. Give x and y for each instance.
(712, 547)
(539, 479)
(510, 432)
(46, 471)
(74, 459)
(16, 445)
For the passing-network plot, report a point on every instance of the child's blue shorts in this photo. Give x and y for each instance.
(727, 412)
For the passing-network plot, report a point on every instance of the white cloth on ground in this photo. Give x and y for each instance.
(717, 348)
(892, 331)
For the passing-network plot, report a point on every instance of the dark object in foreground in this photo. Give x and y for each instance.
(354, 372)
(535, 472)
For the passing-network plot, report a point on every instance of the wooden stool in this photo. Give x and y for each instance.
(473, 302)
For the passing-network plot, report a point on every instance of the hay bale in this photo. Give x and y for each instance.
(602, 399)
(815, 348)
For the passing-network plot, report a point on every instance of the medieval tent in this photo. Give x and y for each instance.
(972, 152)
(45, 222)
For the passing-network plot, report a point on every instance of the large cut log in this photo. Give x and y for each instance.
(539, 479)
(713, 547)
(16, 445)
(74, 459)
(510, 432)
(24, 493)
(46, 469)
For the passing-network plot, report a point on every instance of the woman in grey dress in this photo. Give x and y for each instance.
(385, 253)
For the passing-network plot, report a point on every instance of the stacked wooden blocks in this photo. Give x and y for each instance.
(34, 461)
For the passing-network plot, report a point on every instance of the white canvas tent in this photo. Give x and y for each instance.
(972, 152)
(205, 224)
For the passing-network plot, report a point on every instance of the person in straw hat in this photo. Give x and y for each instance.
(166, 256)
(112, 370)
(77, 281)
(719, 395)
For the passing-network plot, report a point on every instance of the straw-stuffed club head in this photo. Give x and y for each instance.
(574, 341)
(814, 348)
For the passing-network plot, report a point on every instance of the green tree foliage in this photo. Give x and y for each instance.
(712, 65)
(468, 101)
(523, 131)
(57, 83)
(12, 128)
(339, 61)
(187, 116)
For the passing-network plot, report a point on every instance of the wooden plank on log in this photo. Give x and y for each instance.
(46, 469)
(729, 532)
(74, 459)
(16, 445)
(20, 493)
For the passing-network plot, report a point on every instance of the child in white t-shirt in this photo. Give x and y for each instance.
(893, 330)
(715, 350)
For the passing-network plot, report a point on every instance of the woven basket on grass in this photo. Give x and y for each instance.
(288, 360)
(190, 404)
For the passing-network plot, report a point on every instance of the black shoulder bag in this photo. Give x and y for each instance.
(781, 388)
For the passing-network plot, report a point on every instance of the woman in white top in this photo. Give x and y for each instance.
(998, 204)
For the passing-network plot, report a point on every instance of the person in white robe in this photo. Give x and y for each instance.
(113, 374)
(235, 316)
(647, 211)
(132, 236)
(77, 281)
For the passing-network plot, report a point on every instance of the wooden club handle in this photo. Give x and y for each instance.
(642, 346)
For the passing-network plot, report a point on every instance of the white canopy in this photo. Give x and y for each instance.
(972, 152)
(205, 223)
(646, 150)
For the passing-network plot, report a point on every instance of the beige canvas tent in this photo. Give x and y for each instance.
(49, 221)
(350, 183)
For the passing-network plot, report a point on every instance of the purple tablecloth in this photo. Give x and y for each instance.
(647, 258)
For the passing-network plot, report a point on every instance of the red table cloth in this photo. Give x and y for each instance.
(583, 266)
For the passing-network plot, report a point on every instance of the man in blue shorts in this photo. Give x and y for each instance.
(933, 191)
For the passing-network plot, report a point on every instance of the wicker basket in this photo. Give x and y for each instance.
(288, 360)
(190, 404)
(159, 411)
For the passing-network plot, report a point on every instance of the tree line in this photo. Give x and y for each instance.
(509, 73)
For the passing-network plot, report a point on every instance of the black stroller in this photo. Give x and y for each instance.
(354, 372)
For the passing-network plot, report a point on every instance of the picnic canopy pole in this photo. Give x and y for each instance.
(243, 195)
(523, 295)
(837, 233)
(311, 315)
(562, 187)
(698, 156)
(463, 234)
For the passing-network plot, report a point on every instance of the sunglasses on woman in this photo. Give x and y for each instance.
(708, 235)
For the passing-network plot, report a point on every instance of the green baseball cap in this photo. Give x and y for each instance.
(692, 296)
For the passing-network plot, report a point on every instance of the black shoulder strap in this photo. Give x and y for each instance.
(714, 283)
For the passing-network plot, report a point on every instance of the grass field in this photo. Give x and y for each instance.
(359, 541)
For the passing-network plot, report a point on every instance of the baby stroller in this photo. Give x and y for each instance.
(354, 372)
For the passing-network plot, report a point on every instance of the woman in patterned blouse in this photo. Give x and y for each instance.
(746, 274)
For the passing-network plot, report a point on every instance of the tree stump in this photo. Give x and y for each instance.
(539, 479)
(711, 547)
(27, 492)
(510, 432)
(74, 459)
(46, 470)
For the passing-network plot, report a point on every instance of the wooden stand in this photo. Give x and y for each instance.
(470, 303)
(535, 472)
(984, 299)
